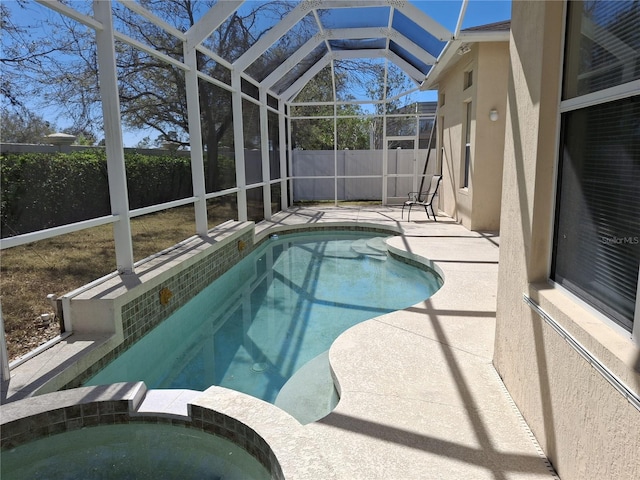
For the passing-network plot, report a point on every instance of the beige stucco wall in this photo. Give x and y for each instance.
(455, 201)
(586, 427)
(491, 93)
(478, 206)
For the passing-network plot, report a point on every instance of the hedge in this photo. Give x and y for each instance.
(44, 190)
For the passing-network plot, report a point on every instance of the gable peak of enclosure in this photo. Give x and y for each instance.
(295, 41)
(289, 42)
(313, 34)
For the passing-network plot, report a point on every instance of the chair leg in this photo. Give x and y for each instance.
(434, 214)
(427, 212)
(409, 214)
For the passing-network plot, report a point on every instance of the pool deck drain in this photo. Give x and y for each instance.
(420, 398)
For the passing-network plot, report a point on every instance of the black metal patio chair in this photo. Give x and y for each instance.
(415, 198)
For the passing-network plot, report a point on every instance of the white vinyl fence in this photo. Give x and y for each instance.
(365, 166)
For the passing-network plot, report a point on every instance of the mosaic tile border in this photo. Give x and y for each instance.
(415, 263)
(142, 314)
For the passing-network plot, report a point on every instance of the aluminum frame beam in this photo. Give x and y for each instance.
(356, 33)
(195, 140)
(463, 11)
(300, 11)
(423, 20)
(238, 141)
(299, 84)
(74, 14)
(211, 20)
(264, 152)
(143, 12)
(291, 61)
(116, 172)
(272, 36)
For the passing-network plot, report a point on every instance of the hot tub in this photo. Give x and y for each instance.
(126, 431)
(131, 451)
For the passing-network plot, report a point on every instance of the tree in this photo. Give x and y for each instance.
(28, 60)
(146, 143)
(361, 133)
(23, 126)
(317, 134)
(19, 54)
(396, 83)
(87, 137)
(152, 92)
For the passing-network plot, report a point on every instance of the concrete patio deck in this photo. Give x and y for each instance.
(420, 398)
(419, 395)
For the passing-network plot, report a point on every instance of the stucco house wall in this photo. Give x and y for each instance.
(491, 93)
(477, 207)
(454, 201)
(587, 428)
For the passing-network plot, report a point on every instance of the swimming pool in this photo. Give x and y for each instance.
(273, 313)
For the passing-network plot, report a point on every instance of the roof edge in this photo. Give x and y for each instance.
(492, 32)
(504, 25)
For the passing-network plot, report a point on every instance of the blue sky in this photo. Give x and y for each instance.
(445, 12)
(479, 12)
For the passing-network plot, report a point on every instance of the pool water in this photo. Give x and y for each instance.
(133, 451)
(272, 313)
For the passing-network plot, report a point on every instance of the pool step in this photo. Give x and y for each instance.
(341, 249)
(378, 243)
(310, 393)
(372, 247)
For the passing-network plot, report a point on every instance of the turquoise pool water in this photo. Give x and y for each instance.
(275, 311)
(134, 451)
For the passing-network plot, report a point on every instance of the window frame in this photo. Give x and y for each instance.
(607, 95)
(465, 173)
(467, 81)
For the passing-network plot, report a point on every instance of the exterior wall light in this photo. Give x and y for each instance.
(464, 49)
(493, 115)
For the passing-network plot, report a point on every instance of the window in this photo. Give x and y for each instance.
(602, 46)
(468, 79)
(596, 247)
(467, 147)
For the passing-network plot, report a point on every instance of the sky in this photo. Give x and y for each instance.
(445, 12)
(479, 12)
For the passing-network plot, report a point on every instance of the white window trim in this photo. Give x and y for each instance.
(611, 94)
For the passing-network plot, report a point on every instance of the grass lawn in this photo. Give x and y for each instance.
(58, 265)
